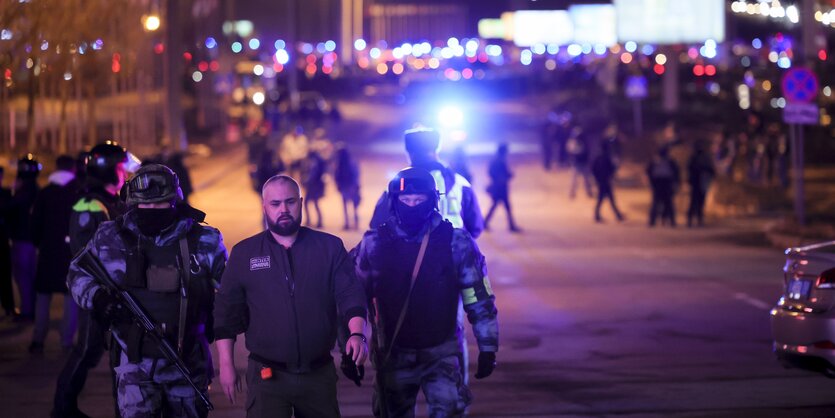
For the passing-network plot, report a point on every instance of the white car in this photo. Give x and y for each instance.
(803, 322)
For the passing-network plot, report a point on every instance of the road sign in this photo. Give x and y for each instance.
(801, 113)
(800, 85)
(636, 87)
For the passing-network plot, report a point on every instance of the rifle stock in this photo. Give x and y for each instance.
(92, 265)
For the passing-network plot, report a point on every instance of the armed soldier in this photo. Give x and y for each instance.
(417, 268)
(159, 254)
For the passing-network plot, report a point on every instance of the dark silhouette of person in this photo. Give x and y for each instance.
(700, 173)
(6, 289)
(603, 169)
(498, 189)
(346, 176)
(663, 173)
(578, 150)
(313, 171)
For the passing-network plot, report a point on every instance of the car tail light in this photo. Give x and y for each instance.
(827, 345)
(826, 280)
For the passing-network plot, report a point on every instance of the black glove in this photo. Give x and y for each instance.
(108, 308)
(486, 364)
(351, 370)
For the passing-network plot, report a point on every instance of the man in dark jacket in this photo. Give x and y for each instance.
(603, 168)
(700, 173)
(6, 290)
(499, 188)
(417, 269)
(288, 288)
(50, 229)
(107, 167)
(24, 254)
(664, 178)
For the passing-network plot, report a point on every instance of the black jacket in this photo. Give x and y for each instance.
(50, 226)
(288, 302)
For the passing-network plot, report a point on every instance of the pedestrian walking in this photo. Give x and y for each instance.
(664, 178)
(578, 152)
(288, 288)
(603, 168)
(50, 226)
(313, 173)
(293, 151)
(417, 269)
(346, 176)
(6, 290)
(107, 166)
(700, 173)
(161, 255)
(24, 255)
(458, 203)
(499, 189)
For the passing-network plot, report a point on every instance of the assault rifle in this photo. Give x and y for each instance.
(92, 265)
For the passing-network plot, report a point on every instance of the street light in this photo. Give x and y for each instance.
(151, 23)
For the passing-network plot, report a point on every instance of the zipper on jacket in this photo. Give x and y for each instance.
(291, 287)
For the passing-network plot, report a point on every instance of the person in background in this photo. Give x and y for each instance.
(603, 168)
(700, 173)
(499, 189)
(664, 178)
(6, 290)
(578, 152)
(50, 233)
(24, 254)
(346, 176)
(313, 173)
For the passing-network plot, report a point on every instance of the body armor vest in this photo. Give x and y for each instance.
(431, 316)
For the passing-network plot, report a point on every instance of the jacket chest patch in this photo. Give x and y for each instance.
(259, 263)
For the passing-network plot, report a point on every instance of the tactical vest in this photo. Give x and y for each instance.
(431, 316)
(155, 275)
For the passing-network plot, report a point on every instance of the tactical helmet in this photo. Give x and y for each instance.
(412, 180)
(422, 140)
(28, 167)
(102, 160)
(153, 183)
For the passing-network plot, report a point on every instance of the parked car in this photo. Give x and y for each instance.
(803, 322)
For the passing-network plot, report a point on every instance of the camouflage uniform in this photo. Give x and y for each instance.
(151, 385)
(436, 369)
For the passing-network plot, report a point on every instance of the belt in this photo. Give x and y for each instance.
(293, 367)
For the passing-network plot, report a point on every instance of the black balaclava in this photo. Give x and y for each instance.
(151, 222)
(412, 218)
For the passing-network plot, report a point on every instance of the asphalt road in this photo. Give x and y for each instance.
(612, 319)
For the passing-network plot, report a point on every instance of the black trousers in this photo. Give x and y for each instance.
(306, 395)
(6, 290)
(604, 191)
(697, 207)
(84, 356)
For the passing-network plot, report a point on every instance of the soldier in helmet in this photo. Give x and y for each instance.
(106, 167)
(416, 268)
(160, 253)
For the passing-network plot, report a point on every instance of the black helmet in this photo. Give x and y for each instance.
(28, 167)
(103, 158)
(422, 140)
(413, 180)
(154, 183)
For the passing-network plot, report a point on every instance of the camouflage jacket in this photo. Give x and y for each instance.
(108, 245)
(475, 291)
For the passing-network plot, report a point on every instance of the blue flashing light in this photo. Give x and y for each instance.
(586, 49)
(307, 48)
(707, 52)
(538, 49)
(360, 44)
(553, 49)
(784, 62)
(630, 46)
(647, 49)
(330, 46)
(282, 57)
(254, 44)
(745, 61)
(280, 44)
(600, 49)
(374, 53)
(98, 45)
(493, 50)
(710, 43)
(451, 116)
(211, 43)
(526, 57)
(237, 47)
(757, 43)
(320, 47)
(472, 45)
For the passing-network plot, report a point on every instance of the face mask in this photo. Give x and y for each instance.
(152, 221)
(412, 218)
(285, 229)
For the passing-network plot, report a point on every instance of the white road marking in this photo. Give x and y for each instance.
(753, 301)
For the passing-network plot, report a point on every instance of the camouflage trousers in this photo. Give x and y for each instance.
(154, 388)
(436, 371)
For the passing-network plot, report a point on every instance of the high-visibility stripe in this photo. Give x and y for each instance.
(487, 286)
(468, 296)
(91, 205)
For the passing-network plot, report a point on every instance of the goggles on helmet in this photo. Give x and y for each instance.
(150, 186)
